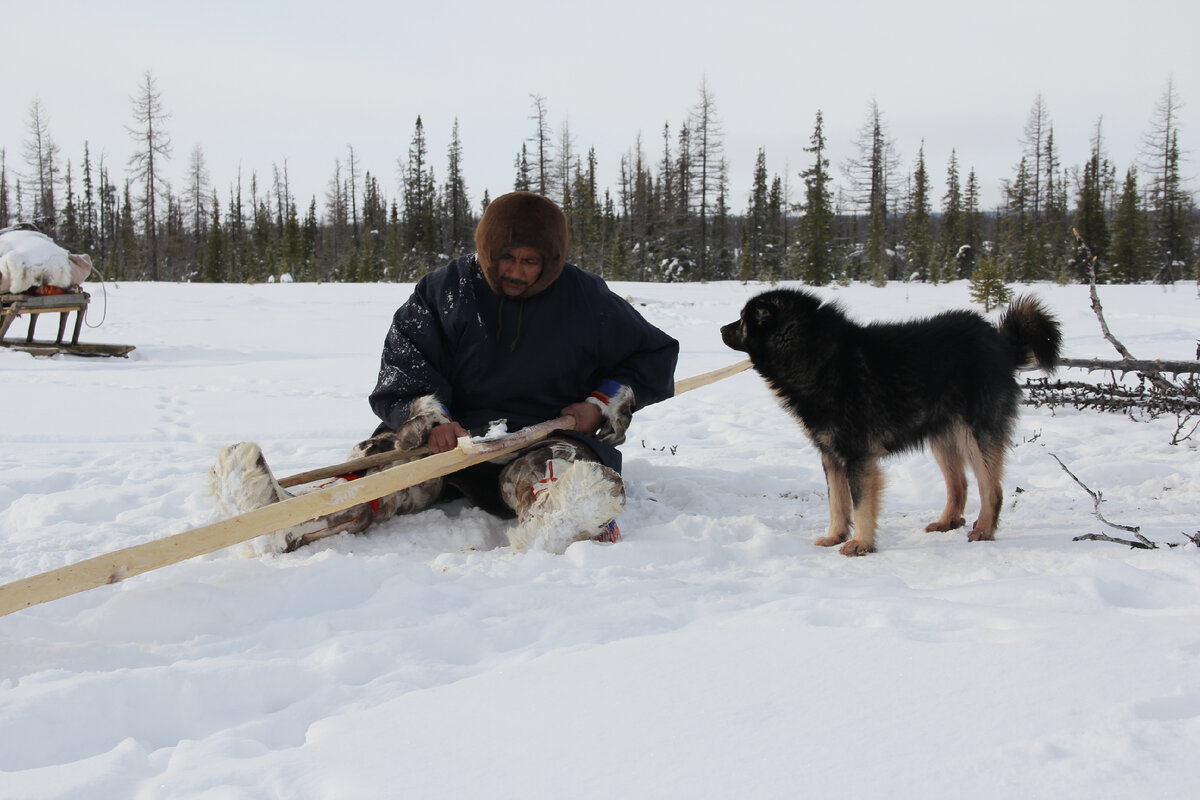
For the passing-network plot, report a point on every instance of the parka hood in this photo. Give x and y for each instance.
(522, 219)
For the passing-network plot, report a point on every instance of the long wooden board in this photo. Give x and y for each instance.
(121, 564)
(130, 561)
(380, 459)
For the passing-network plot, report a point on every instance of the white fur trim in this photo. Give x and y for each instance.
(575, 507)
(618, 412)
(428, 406)
(241, 481)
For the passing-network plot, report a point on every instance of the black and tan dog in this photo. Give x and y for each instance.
(865, 391)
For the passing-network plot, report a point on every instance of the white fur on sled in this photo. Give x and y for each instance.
(574, 508)
(30, 258)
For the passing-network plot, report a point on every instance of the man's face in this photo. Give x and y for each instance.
(518, 268)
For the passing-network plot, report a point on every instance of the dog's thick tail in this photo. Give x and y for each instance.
(1032, 333)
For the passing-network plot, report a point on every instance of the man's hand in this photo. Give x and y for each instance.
(587, 417)
(444, 437)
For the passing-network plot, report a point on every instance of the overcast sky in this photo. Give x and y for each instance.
(256, 84)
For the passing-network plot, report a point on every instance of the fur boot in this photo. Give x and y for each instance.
(240, 481)
(571, 503)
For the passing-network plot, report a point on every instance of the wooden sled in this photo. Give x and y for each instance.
(13, 306)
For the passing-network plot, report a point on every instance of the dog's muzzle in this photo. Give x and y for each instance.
(733, 336)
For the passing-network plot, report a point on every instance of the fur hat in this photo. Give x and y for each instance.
(522, 219)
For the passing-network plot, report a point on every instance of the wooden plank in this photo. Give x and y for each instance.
(43, 304)
(379, 459)
(121, 564)
(720, 374)
(36, 299)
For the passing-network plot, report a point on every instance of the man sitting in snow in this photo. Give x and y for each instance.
(514, 333)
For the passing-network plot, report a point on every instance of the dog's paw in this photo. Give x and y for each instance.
(942, 525)
(831, 540)
(856, 548)
(978, 535)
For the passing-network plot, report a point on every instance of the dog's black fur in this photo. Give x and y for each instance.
(864, 391)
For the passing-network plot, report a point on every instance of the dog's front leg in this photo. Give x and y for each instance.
(866, 485)
(839, 504)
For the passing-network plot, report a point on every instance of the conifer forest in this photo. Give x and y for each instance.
(668, 217)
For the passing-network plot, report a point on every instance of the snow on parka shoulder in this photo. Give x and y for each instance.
(488, 357)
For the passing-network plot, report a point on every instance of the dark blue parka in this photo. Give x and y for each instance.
(488, 357)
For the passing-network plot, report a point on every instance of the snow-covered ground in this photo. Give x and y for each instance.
(713, 653)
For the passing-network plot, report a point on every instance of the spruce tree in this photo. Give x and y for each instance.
(1127, 260)
(421, 236)
(393, 247)
(214, 268)
(263, 238)
(722, 245)
(954, 225)
(586, 220)
(1090, 217)
(816, 224)
(237, 251)
(1169, 206)
(918, 223)
(773, 232)
(87, 221)
(754, 226)
(1015, 257)
(310, 233)
(973, 234)
(523, 181)
(67, 230)
(746, 261)
(291, 246)
(1173, 240)
(459, 225)
(374, 210)
(126, 253)
(987, 283)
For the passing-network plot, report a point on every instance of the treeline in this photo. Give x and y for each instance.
(669, 218)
